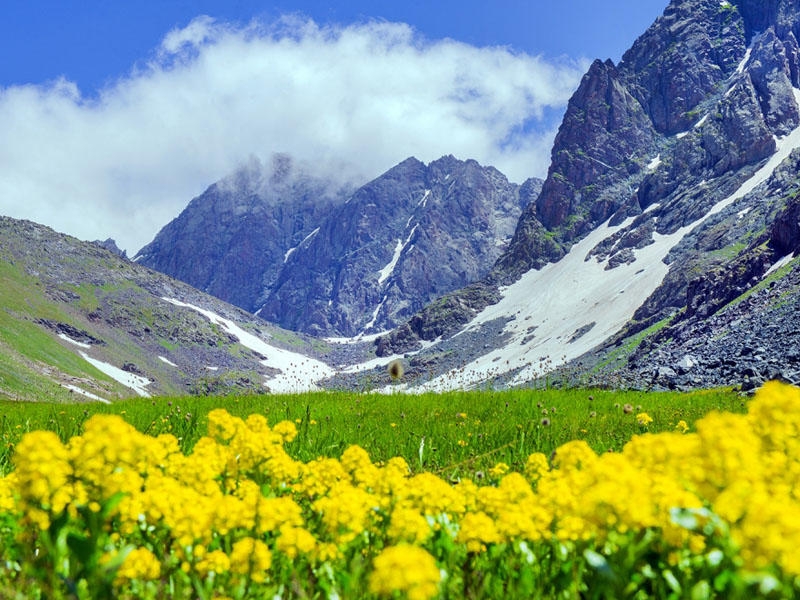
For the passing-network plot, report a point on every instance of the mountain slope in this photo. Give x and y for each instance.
(232, 240)
(313, 257)
(658, 173)
(404, 239)
(79, 322)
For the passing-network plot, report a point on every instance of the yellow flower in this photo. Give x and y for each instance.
(406, 569)
(682, 426)
(478, 529)
(294, 541)
(536, 466)
(252, 558)
(644, 419)
(140, 564)
(499, 469)
(408, 525)
(215, 561)
(287, 430)
(346, 511)
(43, 472)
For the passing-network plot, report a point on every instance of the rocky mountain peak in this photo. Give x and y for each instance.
(414, 233)
(231, 241)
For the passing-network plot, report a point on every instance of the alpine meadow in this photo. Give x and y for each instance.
(323, 378)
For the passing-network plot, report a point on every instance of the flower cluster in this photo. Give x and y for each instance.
(238, 508)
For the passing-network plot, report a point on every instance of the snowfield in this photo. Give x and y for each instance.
(567, 308)
(136, 382)
(298, 373)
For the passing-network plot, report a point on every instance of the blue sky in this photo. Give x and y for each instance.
(93, 42)
(129, 109)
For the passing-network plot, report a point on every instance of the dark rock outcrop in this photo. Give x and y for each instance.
(232, 240)
(401, 241)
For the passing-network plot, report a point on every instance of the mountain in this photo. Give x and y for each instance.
(315, 259)
(669, 198)
(79, 322)
(408, 237)
(660, 251)
(232, 240)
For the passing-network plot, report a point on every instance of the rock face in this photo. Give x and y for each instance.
(401, 241)
(231, 241)
(672, 189)
(696, 116)
(328, 260)
(682, 106)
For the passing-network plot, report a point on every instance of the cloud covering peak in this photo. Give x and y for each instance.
(124, 162)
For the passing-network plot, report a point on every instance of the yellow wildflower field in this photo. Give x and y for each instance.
(116, 513)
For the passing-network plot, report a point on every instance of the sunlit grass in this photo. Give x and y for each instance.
(464, 433)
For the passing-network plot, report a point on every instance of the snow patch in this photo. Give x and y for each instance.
(745, 59)
(781, 262)
(701, 121)
(65, 337)
(383, 361)
(653, 164)
(355, 340)
(387, 271)
(298, 373)
(290, 251)
(167, 361)
(424, 200)
(575, 304)
(375, 314)
(681, 135)
(136, 382)
(743, 212)
(82, 392)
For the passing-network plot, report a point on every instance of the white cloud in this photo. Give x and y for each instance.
(124, 163)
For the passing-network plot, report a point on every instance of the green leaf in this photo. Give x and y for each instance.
(111, 504)
(701, 590)
(81, 546)
(672, 581)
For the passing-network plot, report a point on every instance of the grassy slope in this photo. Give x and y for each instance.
(465, 433)
(31, 357)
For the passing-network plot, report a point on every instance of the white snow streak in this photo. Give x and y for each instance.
(298, 373)
(136, 382)
(82, 392)
(781, 262)
(290, 251)
(387, 271)
(375, 314)
(167, 361)
(65, 337)
(653, 164)
(701, 121)
(744, 61)
(424, 200)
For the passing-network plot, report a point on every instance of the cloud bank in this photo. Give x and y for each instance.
(354, 100)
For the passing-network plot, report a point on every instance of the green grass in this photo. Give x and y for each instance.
(25, 346)
(465, 433)
(765, 282)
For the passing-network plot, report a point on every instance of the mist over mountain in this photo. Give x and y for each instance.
(324, 259)
(231, 241)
